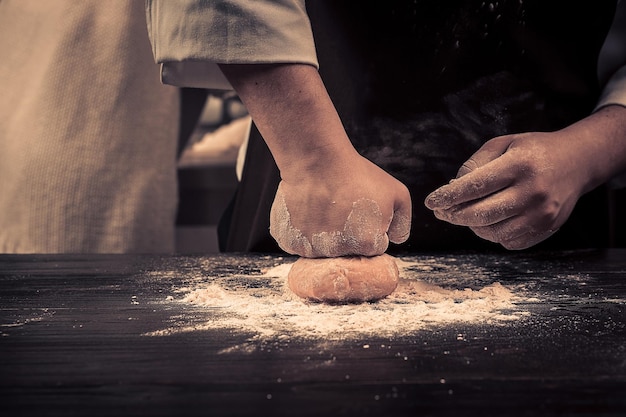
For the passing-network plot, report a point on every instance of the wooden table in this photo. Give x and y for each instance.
(73, 343)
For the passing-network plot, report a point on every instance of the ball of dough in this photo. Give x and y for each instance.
(344, 280)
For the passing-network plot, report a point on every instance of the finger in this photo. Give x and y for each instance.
(527, 240)
(514, 234)
(507, 230)
(493, 209)
(365, 231)
(400, 226)
(488, 152)
(288, 238)
(479, 183)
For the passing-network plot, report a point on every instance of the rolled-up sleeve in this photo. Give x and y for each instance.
(614, 93)
(612, 72)
(190, 37)
(615, 90)
(612, 62)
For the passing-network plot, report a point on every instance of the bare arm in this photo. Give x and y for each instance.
(331, 201)
(292, 110)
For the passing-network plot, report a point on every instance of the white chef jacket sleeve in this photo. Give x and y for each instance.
(612, 61)
(190, 37)
(612, 72)
(614, 91)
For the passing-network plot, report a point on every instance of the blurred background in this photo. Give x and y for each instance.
(208, 171)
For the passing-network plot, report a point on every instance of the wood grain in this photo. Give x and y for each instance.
(73, 343)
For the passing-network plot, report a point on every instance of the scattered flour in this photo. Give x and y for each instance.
(263, 306)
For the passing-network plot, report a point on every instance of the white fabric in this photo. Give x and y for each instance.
(87, 132)
(194, 74)
(189, 37)
(612, 72)
(615, 90)
(612, 61)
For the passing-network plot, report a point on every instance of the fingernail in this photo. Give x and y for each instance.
(433, 200)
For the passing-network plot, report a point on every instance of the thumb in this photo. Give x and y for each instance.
(491, 150)
(400, 226)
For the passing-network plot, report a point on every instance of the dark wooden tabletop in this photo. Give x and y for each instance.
(73, 342)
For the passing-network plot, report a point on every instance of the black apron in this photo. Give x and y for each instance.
(421, 85)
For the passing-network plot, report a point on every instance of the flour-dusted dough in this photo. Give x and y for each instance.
(345, 279)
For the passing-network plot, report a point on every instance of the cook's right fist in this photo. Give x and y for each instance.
(355, 209)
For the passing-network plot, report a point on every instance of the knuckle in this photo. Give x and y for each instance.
(547, 214)
(375, 244)
(476, 184)
(468, 166)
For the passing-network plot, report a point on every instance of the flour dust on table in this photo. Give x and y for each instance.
(429, 295)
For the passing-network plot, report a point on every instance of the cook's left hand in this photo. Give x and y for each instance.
(518, 190)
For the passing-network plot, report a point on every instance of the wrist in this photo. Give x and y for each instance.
(294, 114)
(604, 136)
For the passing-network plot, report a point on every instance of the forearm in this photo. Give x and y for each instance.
(291, 108)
